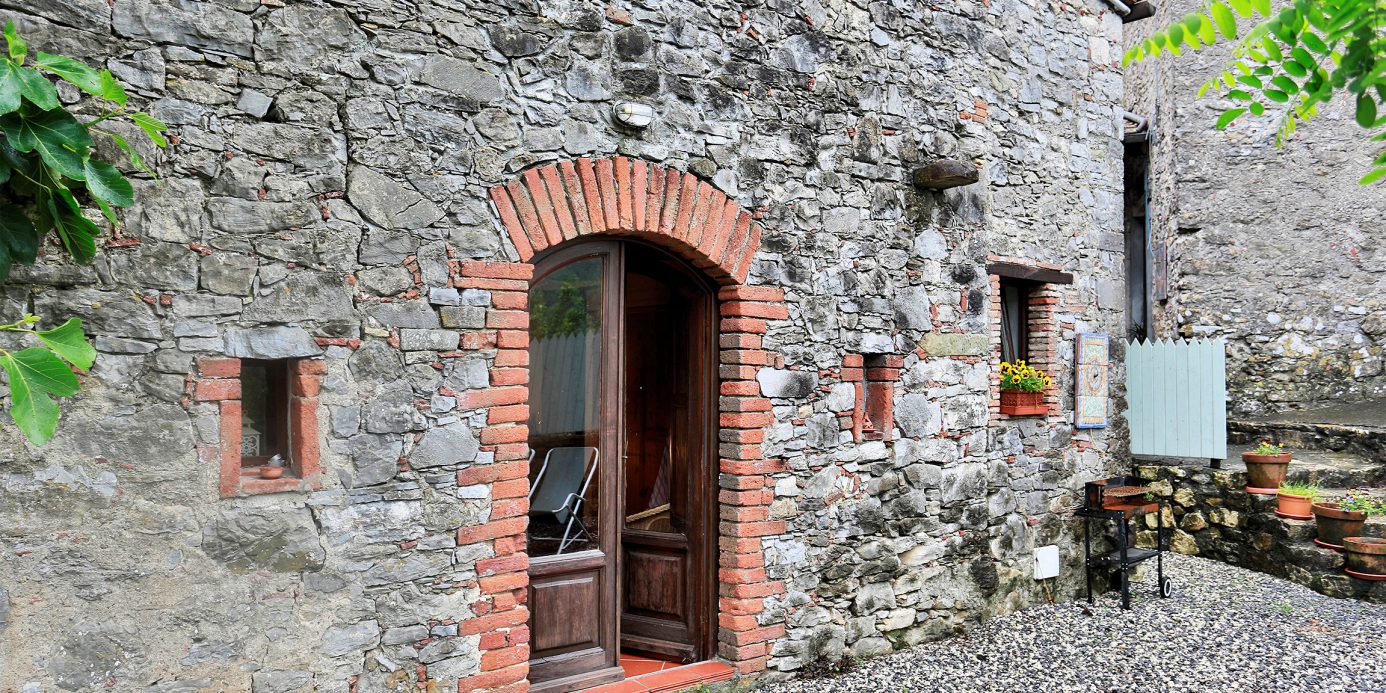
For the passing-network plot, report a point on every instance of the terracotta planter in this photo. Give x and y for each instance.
(1020, 403)
(271, 472)
(1366, 557)
(1335, 524)
(1293, 507)
(1265, 472)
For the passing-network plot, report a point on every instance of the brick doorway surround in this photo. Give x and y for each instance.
(559, 202)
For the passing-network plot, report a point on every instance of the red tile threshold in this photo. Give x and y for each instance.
(669, 680)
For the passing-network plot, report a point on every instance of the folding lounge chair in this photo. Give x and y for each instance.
(560, 490)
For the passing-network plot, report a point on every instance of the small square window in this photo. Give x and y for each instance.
(1015, 320)
(264, 412)
(267, 409)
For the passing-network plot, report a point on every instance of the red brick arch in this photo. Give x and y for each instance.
(557, 202)
(560, 202)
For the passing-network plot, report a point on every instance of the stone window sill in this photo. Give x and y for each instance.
(253, 483)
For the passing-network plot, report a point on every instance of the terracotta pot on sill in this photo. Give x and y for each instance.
(1022, 403)
(1264, 473)
(1366, 557)
(271, 472)
(1335, 524)
(1293, 507)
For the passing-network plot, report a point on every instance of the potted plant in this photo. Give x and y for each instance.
(1295, 498)
(1343, 517)
(1366, 557)
(1266, 467)
(1022, 389)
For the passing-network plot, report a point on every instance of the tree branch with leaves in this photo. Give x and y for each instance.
(39, 373)
(1294, 59)
(48, 173)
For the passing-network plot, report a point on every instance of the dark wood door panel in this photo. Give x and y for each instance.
(573, 581)
(562, 609)
(655, 582)
(643, 575)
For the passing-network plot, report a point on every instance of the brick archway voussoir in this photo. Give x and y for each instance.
(557, 202)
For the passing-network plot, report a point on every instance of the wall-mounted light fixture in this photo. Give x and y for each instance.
(633, 114)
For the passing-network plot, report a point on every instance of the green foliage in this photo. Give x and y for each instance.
(1305, 489)
(39, 373)
(48, 172)
(559, 304)
(1290, 60)
(1266, 447)
(1361, 500)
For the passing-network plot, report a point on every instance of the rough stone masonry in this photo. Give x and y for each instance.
(1269, 248)
(325, 198)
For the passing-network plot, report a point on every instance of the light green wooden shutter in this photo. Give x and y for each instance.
(1176, 396)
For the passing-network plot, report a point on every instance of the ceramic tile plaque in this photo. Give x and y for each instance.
(1090, 405)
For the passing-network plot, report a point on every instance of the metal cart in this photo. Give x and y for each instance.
(1117, 500)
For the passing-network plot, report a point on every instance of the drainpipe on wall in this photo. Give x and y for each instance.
(1119, 7)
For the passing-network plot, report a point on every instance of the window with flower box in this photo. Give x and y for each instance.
(1024, 297)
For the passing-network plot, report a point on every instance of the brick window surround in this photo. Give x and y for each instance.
(218, 380)
(560, 202)
(1042, 332)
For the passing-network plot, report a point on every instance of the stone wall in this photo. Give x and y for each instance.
(326, 198)
(1268, 248)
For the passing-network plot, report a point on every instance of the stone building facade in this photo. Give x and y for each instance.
(358, 195)
(1269, 249)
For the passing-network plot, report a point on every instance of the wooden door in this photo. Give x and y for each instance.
(668, 520)
(573, 542)
(622, 372)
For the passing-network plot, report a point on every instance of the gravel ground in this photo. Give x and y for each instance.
(1225, 630)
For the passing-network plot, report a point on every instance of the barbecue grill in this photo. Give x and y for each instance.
(1116, 501)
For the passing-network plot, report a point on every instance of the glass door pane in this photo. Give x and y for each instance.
(659, 434)
(565, 427)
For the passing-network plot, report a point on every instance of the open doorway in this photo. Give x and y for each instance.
(623, 516)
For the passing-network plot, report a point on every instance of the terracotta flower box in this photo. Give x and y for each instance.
(1021, 403)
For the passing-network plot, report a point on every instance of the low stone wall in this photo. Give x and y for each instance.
(1211, 515)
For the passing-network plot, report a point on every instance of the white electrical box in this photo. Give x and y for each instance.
(1046, 562)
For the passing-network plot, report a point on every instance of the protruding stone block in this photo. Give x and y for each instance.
(945, 173)
(783, 383)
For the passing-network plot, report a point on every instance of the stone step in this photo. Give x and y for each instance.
(1367, 442)
(1326, 468)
